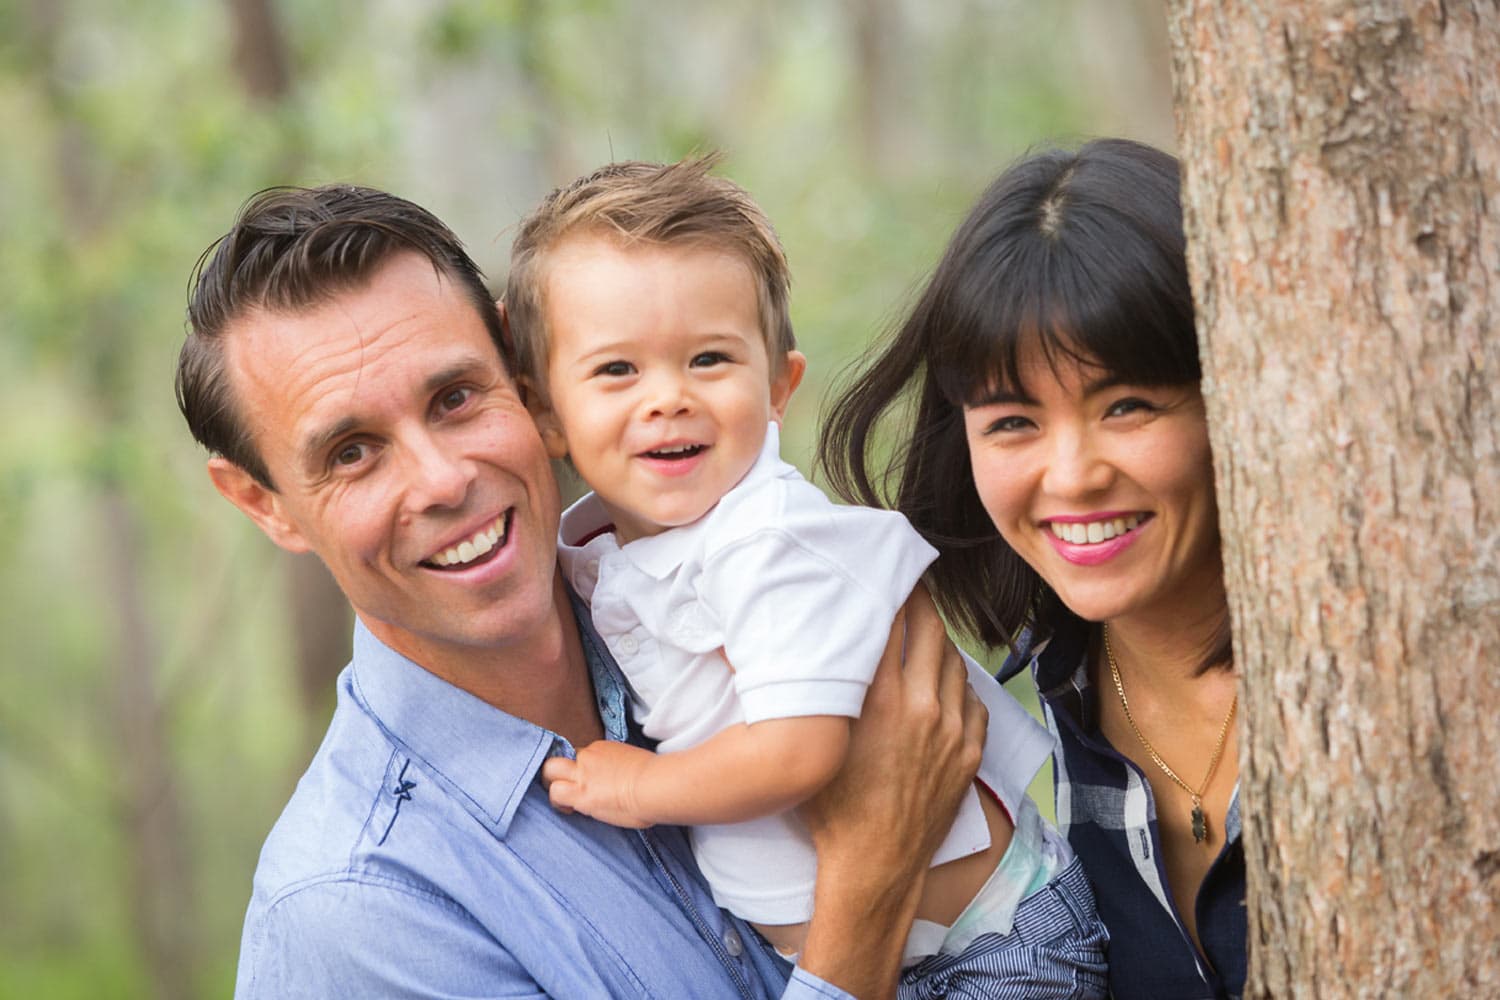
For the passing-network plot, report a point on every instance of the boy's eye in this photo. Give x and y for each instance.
(709, 358)
(615, 369)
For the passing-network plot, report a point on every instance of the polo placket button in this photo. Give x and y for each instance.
(732, 943)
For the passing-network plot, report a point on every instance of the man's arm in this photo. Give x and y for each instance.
(342, 937)
(913, 755)
(741, 773)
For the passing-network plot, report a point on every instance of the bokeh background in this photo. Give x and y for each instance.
(166, 671)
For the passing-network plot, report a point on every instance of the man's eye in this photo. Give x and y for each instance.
(454, 398)
(615, 369)
(349, 455)
(709, 358)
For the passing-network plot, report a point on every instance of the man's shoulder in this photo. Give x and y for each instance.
(327, 825)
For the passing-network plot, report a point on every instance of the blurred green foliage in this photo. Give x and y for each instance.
(132, 131)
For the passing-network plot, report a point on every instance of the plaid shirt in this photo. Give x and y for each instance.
(1105, 808)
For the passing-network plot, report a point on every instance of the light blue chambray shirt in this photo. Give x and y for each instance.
(419, 857)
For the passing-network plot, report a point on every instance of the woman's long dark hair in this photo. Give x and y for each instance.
(1081, 254)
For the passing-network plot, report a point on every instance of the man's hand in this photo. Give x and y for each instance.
(602, 782)
(913, 755)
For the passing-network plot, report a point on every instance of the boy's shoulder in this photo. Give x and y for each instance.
(788, 508)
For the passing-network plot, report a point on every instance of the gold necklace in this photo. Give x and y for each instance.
(1200, 823)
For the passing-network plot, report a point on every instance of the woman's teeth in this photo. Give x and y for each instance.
(1078, 533)
(472, 548)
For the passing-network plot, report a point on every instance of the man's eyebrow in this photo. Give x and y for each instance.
(472, 366)
(315, 443)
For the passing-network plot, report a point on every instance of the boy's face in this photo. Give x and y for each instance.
(658, 379)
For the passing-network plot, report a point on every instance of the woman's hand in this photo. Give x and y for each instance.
(913, 755)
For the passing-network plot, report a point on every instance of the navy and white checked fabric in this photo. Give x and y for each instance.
(1105, 809)
(1055, 951)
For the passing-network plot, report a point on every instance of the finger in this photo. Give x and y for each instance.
(562, 795)
(953, 677)
(888, 670)
(976, 727)
(558, 769)
(925, 638)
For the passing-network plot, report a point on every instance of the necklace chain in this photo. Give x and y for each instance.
(1200, 823)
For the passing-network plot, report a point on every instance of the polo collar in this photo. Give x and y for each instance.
(585, 532)
(485, 758)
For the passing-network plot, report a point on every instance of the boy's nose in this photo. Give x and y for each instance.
(668, 398)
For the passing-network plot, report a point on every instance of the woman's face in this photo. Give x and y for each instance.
(1104, 488)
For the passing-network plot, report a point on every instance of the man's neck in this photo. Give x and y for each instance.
(542, 677)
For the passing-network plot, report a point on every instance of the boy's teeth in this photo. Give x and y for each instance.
(1093, 532)
(471, 548)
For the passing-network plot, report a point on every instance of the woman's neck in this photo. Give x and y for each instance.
(1171, 641)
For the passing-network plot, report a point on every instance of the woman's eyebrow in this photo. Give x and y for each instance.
(1002, 395)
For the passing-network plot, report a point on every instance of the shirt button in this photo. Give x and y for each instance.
(628, 645)
(594, 567)
(732, 943)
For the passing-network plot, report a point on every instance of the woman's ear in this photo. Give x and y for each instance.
(544, 416)
(259, 503)
(785, 381)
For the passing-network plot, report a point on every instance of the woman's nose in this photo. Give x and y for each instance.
(1077, 466)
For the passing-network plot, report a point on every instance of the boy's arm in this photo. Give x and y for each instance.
(741, 773)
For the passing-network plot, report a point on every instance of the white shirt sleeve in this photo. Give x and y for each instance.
(806, 600)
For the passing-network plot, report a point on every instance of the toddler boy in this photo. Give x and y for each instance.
(649, 309)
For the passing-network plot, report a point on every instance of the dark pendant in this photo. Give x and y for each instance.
(1200, 825)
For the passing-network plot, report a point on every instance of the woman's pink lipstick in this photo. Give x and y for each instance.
(1092, 553)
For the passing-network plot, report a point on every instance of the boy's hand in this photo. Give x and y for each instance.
(602, 782)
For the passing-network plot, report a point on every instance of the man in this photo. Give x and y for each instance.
(344, 367)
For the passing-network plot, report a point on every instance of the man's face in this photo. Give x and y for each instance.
(404, 458)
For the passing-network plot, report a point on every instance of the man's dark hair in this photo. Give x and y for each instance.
(293, 249)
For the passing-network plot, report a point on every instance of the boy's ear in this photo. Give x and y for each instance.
(259, 504)
(785, 382)
(544, 417)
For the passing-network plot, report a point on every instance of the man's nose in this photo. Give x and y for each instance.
(440, 475)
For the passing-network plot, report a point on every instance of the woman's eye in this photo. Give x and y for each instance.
(709, 358)
(1127, 406)
(1007, 424)
(614, 369)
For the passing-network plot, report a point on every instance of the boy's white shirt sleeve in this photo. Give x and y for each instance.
(804, 592)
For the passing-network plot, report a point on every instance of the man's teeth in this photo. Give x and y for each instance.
(472, 548)
(1094, 531)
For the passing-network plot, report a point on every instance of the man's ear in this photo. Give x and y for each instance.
(785, 382)
(259, 504)
(544, 416)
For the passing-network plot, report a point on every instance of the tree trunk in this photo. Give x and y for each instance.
(1342, 187)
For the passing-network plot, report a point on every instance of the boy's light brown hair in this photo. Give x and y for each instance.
(656, 204)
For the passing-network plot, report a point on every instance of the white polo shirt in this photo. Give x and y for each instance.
(799, 594)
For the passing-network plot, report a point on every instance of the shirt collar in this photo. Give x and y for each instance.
(583, 535)
(485, 758)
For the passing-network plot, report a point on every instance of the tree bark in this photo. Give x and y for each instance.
(1342, 193)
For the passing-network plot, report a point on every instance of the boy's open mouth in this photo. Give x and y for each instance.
(676, 452)
(478, 548)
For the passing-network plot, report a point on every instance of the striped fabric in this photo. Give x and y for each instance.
(1105, 809)
(1055, 951)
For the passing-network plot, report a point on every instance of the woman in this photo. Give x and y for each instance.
(1059, 460)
